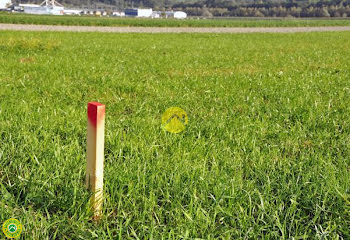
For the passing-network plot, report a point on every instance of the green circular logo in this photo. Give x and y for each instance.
(174, 120)
(12, 228)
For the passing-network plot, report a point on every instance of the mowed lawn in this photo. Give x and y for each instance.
(18, 18)
(265, 155)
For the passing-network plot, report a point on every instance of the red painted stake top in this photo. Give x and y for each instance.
(96, 112)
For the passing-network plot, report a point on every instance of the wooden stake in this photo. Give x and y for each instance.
(95, 155)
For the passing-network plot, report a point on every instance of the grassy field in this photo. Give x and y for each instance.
(104, 21)
(265, 155)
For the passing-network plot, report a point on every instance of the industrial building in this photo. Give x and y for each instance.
(180, 15)
(72, 12)
(50, 7)
(5, 4)
(177, 14)
(37, 9)
(140, 12)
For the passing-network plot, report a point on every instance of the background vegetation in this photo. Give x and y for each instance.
(296, 9)
(265, 154)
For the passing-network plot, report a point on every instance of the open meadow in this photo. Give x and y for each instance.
(265, 155)
(16, 18)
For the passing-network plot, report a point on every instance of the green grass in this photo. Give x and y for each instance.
(265, 154)
(104, 21)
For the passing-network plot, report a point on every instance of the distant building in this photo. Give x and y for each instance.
(156, 14)
(72, 12)
(118, 14)
(177, 14)
(180, 15)
(50, 7)
(130, 12)
(4, 4)
(138, 12)
(144, 12)
(37, 9)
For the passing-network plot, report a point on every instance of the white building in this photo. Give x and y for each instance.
(72, 12)
(144, 12)
(4, 3)
(118, 14)
(177, 14)
(37, 9)
(180, 15)
(47, 7)
(156, 14)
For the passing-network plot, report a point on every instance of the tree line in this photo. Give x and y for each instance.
(266, 9)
